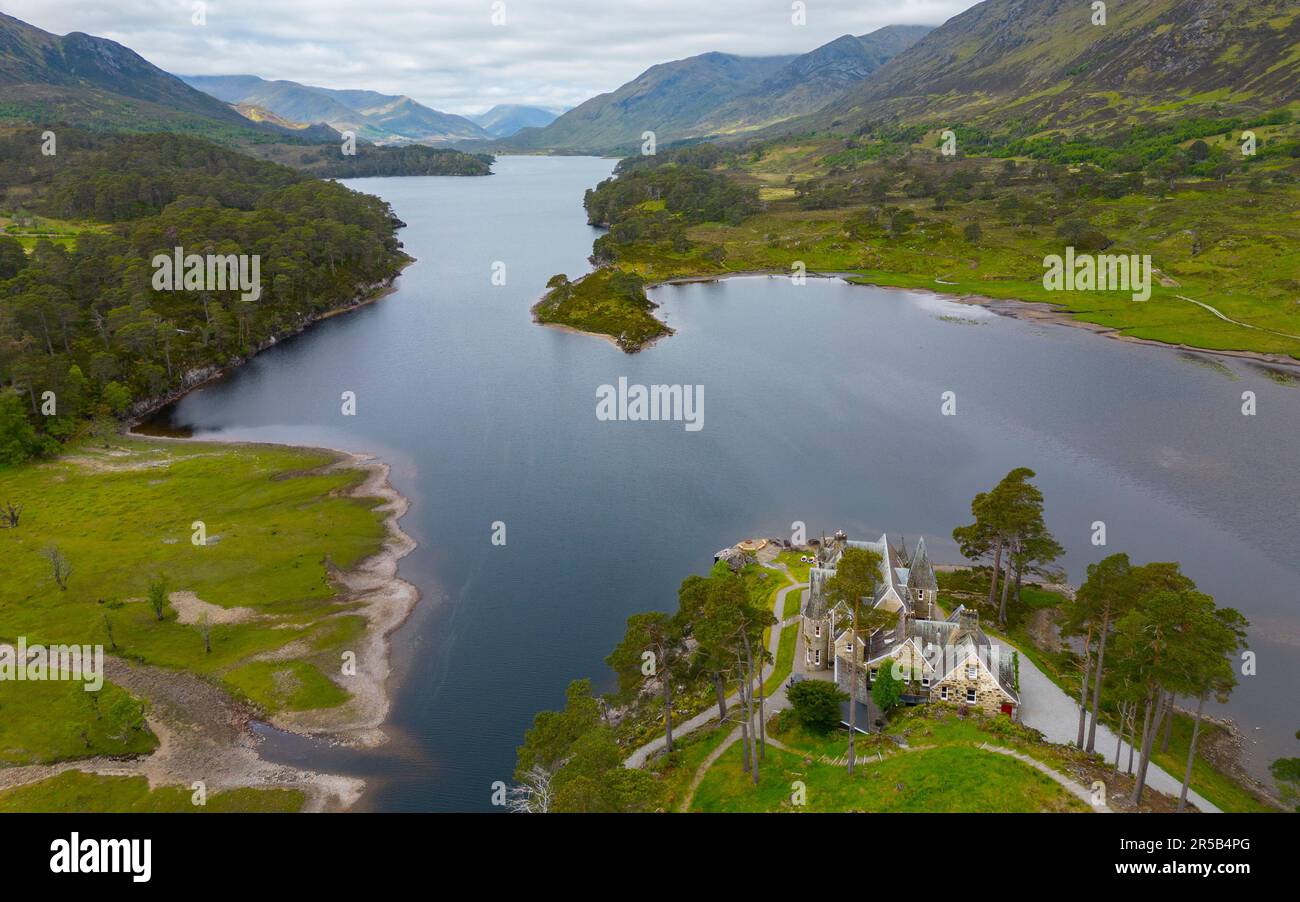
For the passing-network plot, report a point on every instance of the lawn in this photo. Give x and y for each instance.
(676, 771)
(946, 779)
(797, 569)
(28, 229)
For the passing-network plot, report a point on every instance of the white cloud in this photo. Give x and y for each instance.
(448, 54)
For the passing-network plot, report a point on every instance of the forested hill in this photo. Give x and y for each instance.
(326, 161)
(81, 318)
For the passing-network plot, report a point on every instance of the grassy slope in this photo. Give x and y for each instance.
(952, 777)
(122, 518)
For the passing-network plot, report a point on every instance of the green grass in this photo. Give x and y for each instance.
(784, 658)
(797, 569)
(45, 722)
(1214, 785)
(76, 792)
(31, 229)
(946, 771)
(676, 771)
(275, 524)
(939, 780)
(291, 685)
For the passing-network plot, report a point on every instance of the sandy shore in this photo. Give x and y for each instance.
(386, 601)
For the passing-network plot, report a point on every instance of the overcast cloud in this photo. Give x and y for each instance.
(448, 54)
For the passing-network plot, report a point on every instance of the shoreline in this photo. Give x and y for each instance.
(197, 378)
(205, 733)
(1029, 311)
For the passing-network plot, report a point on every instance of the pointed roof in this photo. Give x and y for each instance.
(921, 572)
(815, 607)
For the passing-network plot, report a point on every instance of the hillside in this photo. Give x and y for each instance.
(1042, 64)
(381, 118)
(99, 84)
(669, 99)
(322, 248)
(718, 93)
(806, 82)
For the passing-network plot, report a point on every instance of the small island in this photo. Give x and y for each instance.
(609, 302)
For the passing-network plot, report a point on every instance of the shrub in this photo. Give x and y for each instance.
(817, 704)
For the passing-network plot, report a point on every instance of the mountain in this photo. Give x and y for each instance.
(504, 119)
(717, 94)
(1043, 63)
(99, 84)
(668, 99)
(382, 118)
(809, 81)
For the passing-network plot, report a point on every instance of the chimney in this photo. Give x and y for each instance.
(969, 620)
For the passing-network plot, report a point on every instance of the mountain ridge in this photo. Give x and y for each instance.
(1044, 64)
(97, 83)
(718, 93)
(373, 116)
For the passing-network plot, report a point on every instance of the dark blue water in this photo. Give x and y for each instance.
(822, 404)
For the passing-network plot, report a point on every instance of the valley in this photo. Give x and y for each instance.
(370, 527)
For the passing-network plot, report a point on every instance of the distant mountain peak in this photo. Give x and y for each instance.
(717, 93)
(381, 118)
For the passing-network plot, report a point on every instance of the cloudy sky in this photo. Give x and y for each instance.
(449, 54)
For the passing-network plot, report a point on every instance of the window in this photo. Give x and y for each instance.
(970, 695)
(972, 671)
(818, 653)
(874, 671)
(818, 633)
(943, 693)
(925, 681)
